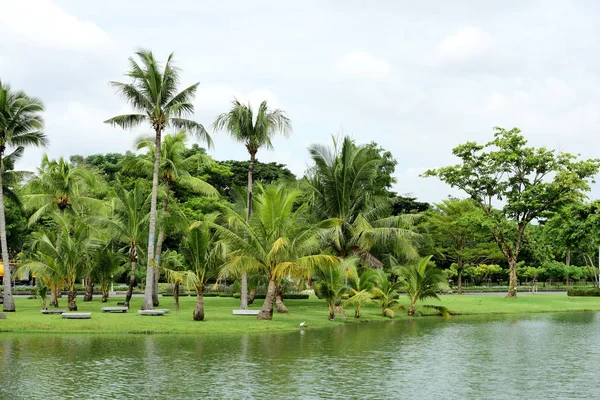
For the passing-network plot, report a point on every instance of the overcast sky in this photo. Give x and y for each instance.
(416, 77)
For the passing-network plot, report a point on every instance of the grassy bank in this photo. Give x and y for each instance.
(219, 318)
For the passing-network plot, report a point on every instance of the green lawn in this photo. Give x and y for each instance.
(219, 318)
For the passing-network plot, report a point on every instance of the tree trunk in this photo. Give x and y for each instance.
(104, 292)
(54, 290)
(9, 303)
(244, 288)
(281, 308)
(266, 312)
(512, 281)
(176, 296)
(131, 283)
(459, 271)
(357, 313)
(71, 297)
(251, 296)
(147, 303)
(199, 310)
(331, 311)
(89, 290)
(568, 257)
(413, 305)
(159, 244)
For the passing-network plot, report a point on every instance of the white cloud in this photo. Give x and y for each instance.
(465, 44)
(42, 22)
(360, 64)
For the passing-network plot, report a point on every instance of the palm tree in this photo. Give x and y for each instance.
(69, 258)
(153, 94)
(360, 286)
(385, 293)
(341, 187)
(276, 242)
(128, 224)
(174, 169)
(329, 284)
(421, 280)
(254, 133)
(106, 264)
(21, 125)
(60, 187)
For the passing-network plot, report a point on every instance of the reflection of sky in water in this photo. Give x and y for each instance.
(535, 356)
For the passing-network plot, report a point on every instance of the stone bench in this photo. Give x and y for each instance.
(77, 315)
(246, 312)
(166, 310)
(152, 312)
(53, 311)
(115, 309)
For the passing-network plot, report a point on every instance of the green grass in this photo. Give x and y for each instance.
(219, 318)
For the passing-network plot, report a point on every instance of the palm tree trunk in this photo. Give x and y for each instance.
(244, 288)
(71, 297)
(54, 302)
(331, 316)
(251, 296)
(176, 296)
(266, 312)
(281, 308)
(199, 310)
(131, 283)
(413, 304)
(104, 288)
(89, 290)
(148, 304)
(9, 303)
(159, 243)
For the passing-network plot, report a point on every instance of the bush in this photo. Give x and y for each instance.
(290, 296)
(583, 292)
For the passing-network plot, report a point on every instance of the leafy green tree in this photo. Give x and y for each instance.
(277, 242)
(420, 281)
(330, 284)
(529, 183)
(385, 293)
(254, 133)
(153, 93)
(360, 288)
(462, 235)
(21, 125)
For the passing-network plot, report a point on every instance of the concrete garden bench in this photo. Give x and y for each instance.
(115, 309)
(246, 312)
(152, 312)
(53, 311)
(77, 315)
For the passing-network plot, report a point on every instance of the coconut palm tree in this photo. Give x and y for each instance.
(60, 187)
(105, 265)
(254, 132)
(276, 242)
(69, 257)
(385, 293)
(341, 187)
(128, 224)
(420, 281)
(174, 167)
(329, 284)
(360, 287)
(153, 93)
(21, 125)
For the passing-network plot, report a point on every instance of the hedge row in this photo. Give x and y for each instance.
(583, 292)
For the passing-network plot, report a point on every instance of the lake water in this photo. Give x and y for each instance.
(543, 356)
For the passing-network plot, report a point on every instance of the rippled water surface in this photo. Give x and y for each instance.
(544, 356)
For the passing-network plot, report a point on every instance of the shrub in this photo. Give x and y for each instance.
(583, 292)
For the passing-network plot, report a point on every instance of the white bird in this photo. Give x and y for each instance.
(302, 325)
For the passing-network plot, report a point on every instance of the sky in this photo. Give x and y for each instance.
(418, 78)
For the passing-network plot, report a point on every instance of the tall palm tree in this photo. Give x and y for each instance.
(276, 242)
(174, 167)
(254, 133)
(153, 93)
(128, 224)
(341, 187)
(21, 125)
(420, 281)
